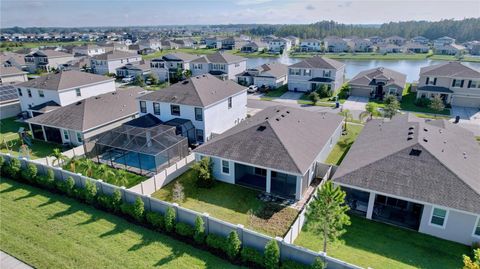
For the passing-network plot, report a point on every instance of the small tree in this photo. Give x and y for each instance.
(154, 79)
(437, 105)
(371, 110)
(391, 106)
(348, 117)
(233, 245)
(177, 192)
(90, 191)
(116, 200)
(138, 209)
(139, 81)
(121, 178)
(199, 235)
(272, 255)
(12, 169)
(314, 97)
(58, 157)
(327, 214)
(203, 168)
(319, 264)
(323, 91)
(30, 173)
(170, 219)
(468, 263)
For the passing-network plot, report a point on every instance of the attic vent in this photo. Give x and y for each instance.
(415, 152)
(185, 82)
(410, 133)
(425, 129)
(114, 93)
(464, 155)
(96, 97)
(283, 116)
(266, 118)
(411, 128)
(277, 119)
(278, 110)
(410, 137)
(261, 128)
(425, 139)
(288, 112)
(79, 103)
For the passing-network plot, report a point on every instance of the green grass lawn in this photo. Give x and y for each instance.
(47, 230)
(371, 244)
(184, 50)
(408, 104)
(38, 44)
(454, 58)
(344, 143)
(275, 93)
(232, 203)
(364, 56)
(257, 54)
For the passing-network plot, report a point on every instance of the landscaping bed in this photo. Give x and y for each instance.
(232, 203)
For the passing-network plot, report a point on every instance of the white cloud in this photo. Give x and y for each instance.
(251, 2)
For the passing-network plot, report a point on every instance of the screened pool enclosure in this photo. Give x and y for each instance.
(144, 151)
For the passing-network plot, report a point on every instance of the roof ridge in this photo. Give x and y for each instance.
(195, 88)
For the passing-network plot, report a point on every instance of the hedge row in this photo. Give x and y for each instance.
(166, 223)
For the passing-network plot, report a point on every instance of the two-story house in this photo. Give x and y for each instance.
(272, 75)
(311, 45)
(253, 46)
(211, 105)
(311, 73)
(222, 65)
(153, 44)
(396, 40)
(360, 45)
(279, 45)
(141, 68)
(107, 63)
(335, 44)
(453, 82)
(170, 66)
(54, 90)
(88, 50)
(46, 60)
(420, 40)
(446, 46)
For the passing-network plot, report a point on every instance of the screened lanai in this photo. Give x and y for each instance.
(140, 150)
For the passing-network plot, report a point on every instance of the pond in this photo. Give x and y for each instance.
(409, 67)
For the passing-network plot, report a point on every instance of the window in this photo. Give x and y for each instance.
(65, 135)
(29, 92)
(199, 134)
(175, 110)
(229, 102)
(261, 172)
(40, 93)
(476, 230)
(143, 107)
(307, 72)
(225, 167)
(457, 83)
(77, 92)
(79, 137)
(198, 114)
(439, 217)
(295, 71)
(156, 108)
(20, 92)
(197, 66)
(327, 74)
(473, 84)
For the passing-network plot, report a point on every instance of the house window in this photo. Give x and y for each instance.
(476, 230)
(295, 71)
(40, 93)
(327, 74)
(198, 114)
(29, 92)
(175, 110)
(65, 135)
(77, 92)
(143, 107)
(261, 172)
(229, 102)
(307, 72)
(20, 92)
(199, 134)
(439, 217)
(79, 137)
(156, 108)
(225, 167)
(474, 84)
(457, 83)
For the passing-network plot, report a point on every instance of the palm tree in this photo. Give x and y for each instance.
(348, 117)
(121, 178)
(104, 172)
(88, 167)
(58, 157)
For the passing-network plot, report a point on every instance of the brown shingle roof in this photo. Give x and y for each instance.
(64, 80)
(115, 55)
(318, 62)
(10, 70)
(219, 57)
(450, 69)
(392, 77)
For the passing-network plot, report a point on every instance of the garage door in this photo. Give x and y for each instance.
(360, 92)
(466, 101)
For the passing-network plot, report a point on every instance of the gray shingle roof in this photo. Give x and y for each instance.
(364, 78)
(10, 70)
(115, 55)
(273, 69)
(92, 112)
(450, 69)
(281, 138)
(201, 91)
(219, 57)
(445, 173)
(180, 56)
(318, 62)
(52, 53)
(66, 79)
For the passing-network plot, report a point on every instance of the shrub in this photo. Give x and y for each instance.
(170, 219)
(251, 255)
(2, 162)
(155, 220)
(69, 186)
(177, 192)
(138, 209)
(216, 242)
(199, 235)
(116, 200)
(272, 255)
(30, 173)
(314, 97)
(319, 264)
(48, 180)
(126, 208)
(184, 229)
(12, 169)
(203, 168)
(233, 245)
(422, 102)
(289, 264)
(344, 90)
(90, 191)
(323, 91)
(104, 202)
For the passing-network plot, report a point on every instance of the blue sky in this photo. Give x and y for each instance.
(69, 13)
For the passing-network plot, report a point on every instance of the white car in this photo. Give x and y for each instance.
(128, 79)
(252, 89)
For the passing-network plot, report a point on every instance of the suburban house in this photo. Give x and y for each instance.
(213, 42)
(167, 44)
(54, 90)
(377, 40)
(170, 65)
(446, 46)
(415, 173)
(152, 44)
(313, 72)
(271, 75)
(253, 46)
(222, 65)
(378, 82)
(11, 74)
(295, 40)
(9, 103)
(414, 47)
(360, 45)
(81, 63)
(269, 152)
(107, 63)
(311, 45)
(13, 59)
(231, 43)
(185, 43)
(396, 40)
(141, 68)
(389, 48)
(442, 41)
(211, 105)
(420, 40)
(453, 82)
(474, 48)
(113, 46)
(279, 45)
(74, 123)
(46, 60)
(335, 44)
(88, 50)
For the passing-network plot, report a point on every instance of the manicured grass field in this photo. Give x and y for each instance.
(275, 93)
(47, 230)
(232, 203)
(371, 244)
(38, 44)
(408, 104)
(340, 150)
(185, 50)
(255, 54)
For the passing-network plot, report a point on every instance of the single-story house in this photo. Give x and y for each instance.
(378, 82)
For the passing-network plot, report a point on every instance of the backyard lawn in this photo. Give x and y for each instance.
(340, 150)
(232, 203)
(47, 230)
(371, 244)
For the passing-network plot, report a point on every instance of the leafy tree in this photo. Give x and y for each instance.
(233, 245)
(139, 81)
(116, 200)
(177, 192)
(138, 209)
(327, 214)
(90, 191)
(314, 97)
(72, 163)
(271, 255)
(203, 168)
(319, 264)
(371, 110)
(105, 173)
(391, 106)
(468, 263)
(199, 235)
(88, 167)
(12, 169)
(437, 105)
(121, 178)
(170, 219)
(323, 91)
(30, 173)
(187, 73)
(348, 117)
(154, 79)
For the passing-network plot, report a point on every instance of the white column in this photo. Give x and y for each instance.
(371, 202)
(269, 180)
(44, 134)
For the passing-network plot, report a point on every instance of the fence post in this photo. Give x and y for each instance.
(240, 232)
(175, 207)
(122, 188)
(80, 176)
(206, 218)
(280, 243)
(61, 173)
(149, 202)
(141, 187)
(101, 185)
(155, 182)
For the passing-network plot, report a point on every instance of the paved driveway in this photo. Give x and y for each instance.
(355, 103)
(469, 118)
(289, 97)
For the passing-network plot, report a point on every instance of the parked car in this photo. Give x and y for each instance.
(128, 79)
(252, 89)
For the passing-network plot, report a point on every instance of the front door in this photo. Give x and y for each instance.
(379, 92)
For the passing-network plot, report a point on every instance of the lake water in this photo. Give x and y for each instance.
(409, 67)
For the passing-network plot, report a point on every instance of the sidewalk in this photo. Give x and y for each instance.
(9, 262)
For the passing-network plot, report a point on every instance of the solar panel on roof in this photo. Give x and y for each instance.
(8, 93)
